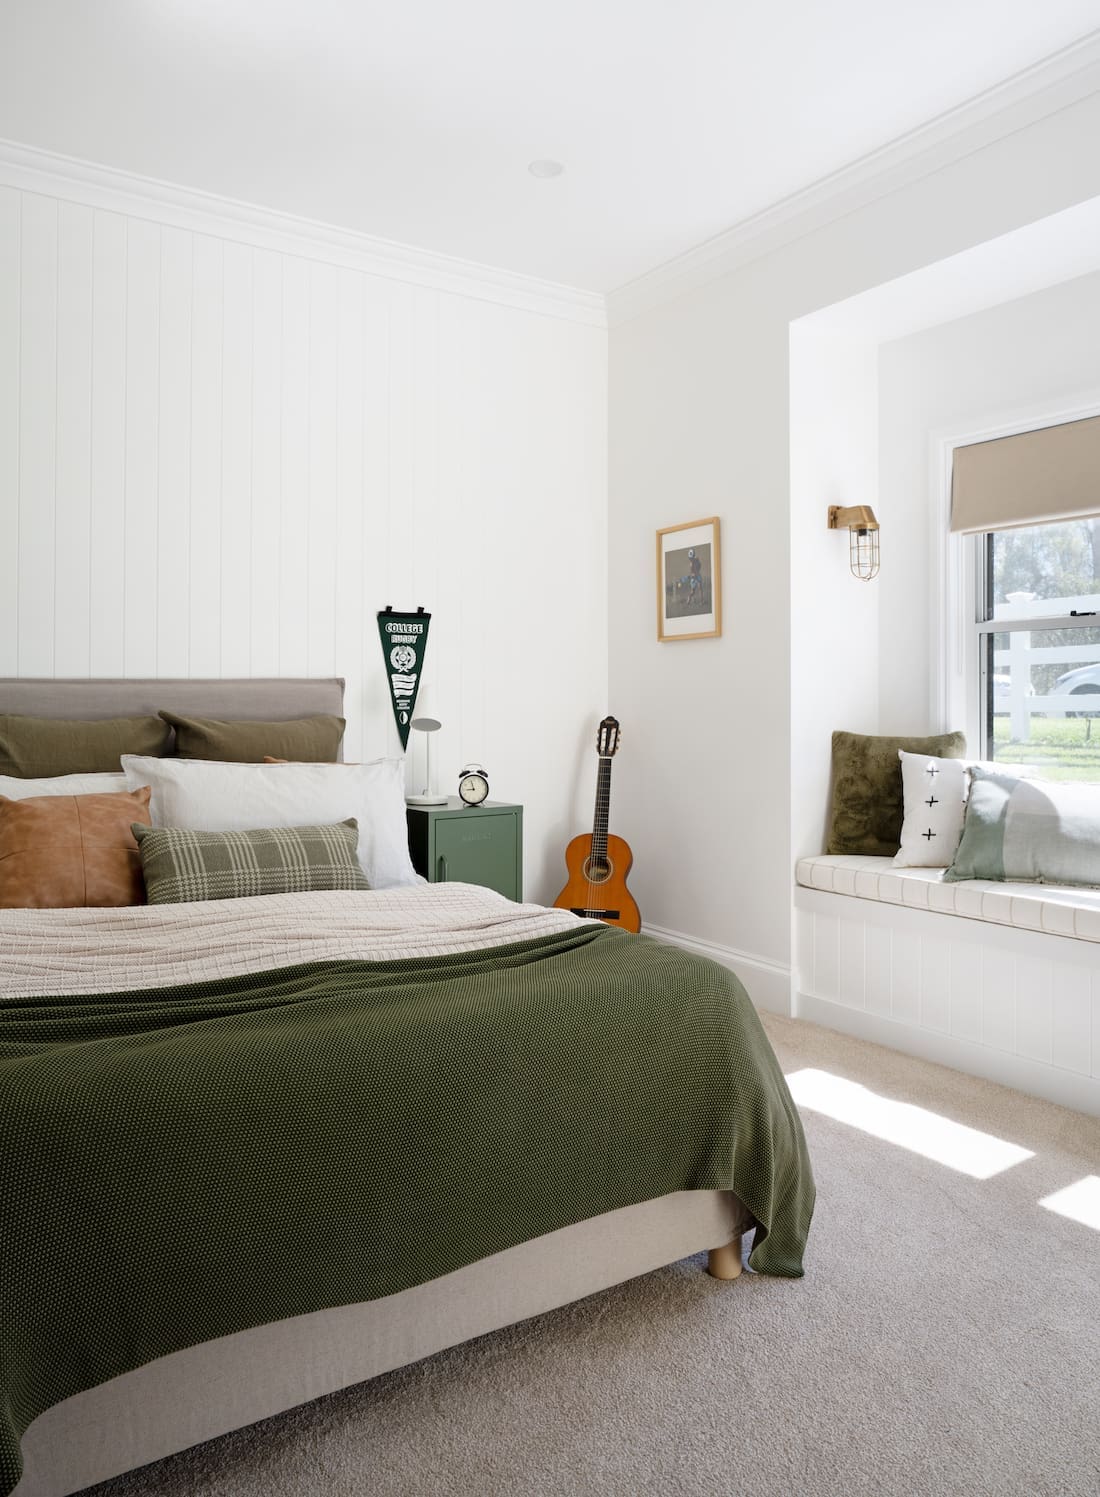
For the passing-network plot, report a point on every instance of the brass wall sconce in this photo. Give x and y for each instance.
(862, 527)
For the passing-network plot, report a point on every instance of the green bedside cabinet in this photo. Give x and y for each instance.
(469, 844)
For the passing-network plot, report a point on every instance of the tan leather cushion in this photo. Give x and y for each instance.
(65, 851)
(269, 760)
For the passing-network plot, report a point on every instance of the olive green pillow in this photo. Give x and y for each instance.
(181, 866)
(867, 805)
(310, 740)
(33, 748)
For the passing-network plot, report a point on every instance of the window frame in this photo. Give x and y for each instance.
(985, 628)
(957, 587)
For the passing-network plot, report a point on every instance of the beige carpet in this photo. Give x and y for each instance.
(945, 1340)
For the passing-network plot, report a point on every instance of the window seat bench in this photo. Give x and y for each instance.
(1057, 909)
(998, 979)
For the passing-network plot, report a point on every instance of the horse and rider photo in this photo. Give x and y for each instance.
(687, 581)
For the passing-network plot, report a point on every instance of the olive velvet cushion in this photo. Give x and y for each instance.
(62, 852)
(867, 803)
(315, 740)
(42, 747)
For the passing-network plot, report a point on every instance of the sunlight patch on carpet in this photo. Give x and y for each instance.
(967, 1150)
(1079, 1201)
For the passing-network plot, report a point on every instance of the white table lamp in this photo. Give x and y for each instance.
(430, 796)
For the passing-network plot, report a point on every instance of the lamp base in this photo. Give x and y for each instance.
(425, 800)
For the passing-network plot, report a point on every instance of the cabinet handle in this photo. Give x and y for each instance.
(441, 869)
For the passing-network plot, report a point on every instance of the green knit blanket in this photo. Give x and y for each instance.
(180, 1164)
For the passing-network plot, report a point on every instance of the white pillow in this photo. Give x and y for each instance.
(63, 784)
(205, 796)
(935, 793)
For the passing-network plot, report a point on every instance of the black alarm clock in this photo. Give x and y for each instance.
(473, 785)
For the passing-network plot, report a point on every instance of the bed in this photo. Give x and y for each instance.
(320, 1136)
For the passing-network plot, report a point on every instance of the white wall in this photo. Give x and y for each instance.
(834, 616)
(220, 458)
(700, 424)
(1017, 361)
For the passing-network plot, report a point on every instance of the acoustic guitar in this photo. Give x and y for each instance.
(598, 863)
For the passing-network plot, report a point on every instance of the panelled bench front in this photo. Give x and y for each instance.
(998, 979)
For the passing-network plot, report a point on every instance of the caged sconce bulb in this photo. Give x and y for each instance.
(862, 527)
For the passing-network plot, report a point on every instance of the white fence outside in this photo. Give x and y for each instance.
(1016, 662)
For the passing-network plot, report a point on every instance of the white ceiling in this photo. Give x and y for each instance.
(415, 120)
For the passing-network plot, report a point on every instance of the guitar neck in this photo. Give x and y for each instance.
(603, 807)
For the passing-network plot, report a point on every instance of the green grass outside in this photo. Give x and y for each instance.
(1065, 748)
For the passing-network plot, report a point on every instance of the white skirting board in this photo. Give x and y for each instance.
(768, 983)
(1015, 1006)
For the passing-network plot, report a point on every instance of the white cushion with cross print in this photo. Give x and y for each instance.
(935, 805)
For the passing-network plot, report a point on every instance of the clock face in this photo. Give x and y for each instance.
(473, 789)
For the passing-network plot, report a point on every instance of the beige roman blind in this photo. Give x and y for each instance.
(1033, 478)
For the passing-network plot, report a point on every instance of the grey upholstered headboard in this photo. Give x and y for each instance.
(255, 698)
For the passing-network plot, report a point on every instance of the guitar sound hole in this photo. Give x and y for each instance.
(596, 872)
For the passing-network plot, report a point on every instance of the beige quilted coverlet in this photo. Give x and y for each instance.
(52, 952)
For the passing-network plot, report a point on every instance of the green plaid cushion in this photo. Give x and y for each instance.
(181, 865)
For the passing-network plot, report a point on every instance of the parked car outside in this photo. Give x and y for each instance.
(1084, 681)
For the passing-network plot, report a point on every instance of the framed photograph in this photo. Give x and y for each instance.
(689, 581)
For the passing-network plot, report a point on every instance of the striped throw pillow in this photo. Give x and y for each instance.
(181, 865)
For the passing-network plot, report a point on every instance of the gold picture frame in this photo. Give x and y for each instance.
(689, 580)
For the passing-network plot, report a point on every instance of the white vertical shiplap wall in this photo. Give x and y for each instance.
(218, 458)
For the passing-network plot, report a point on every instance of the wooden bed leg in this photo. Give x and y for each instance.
(725, 1262)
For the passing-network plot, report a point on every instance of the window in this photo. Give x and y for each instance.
(1038, 645)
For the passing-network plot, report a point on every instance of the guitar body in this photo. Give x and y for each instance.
(597, 886)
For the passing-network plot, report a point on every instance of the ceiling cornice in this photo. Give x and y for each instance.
(1056, 83)
(33, 170)
(1034, 94)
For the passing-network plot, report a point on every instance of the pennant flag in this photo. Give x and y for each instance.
(404, 639)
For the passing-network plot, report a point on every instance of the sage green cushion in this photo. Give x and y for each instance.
(867, 802)
(180, 865)
(42, 747)
(1035, 831)
(310, 740)
(980, 853)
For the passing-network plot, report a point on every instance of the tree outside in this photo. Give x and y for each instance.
(1049, 562)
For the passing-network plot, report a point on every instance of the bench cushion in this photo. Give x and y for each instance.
(1057, 909)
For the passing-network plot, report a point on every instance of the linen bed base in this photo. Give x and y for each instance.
(220, 1386)
(223, 1385)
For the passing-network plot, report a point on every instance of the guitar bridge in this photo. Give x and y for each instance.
(594, 914)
